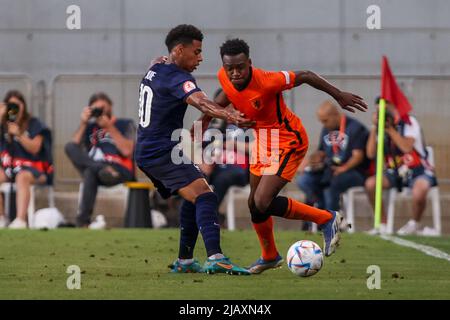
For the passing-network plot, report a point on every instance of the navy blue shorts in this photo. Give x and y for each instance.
(416, 173)
(168, 177)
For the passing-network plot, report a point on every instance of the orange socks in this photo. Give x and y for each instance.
(295, 211)
(300, 211)
(264, 230)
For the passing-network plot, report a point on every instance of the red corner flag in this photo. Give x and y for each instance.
(392, 93)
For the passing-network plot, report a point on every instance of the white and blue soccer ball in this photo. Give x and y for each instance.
(304, 258)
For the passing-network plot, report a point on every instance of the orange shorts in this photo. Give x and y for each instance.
(285, 163)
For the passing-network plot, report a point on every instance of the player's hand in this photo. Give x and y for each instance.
(350, 102)
(238, 118)
(85, 115)
(161, 59)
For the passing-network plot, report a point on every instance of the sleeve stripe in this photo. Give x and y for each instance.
(286, 75)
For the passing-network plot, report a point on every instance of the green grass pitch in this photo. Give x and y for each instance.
(132, 264)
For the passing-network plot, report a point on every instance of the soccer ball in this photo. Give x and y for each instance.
(304, 258)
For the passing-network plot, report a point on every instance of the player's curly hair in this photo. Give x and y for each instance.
(183, 33)
(233, 47)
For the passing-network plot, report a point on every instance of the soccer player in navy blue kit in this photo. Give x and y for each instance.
(165, 92)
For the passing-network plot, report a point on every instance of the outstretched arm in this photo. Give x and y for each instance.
(346, 100)
(214, 110)
(222, 100)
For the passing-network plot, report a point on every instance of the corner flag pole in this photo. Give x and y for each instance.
(380, 163)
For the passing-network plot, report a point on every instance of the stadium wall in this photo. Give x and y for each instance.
(327, 36)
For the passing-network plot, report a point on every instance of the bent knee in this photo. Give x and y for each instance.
(195, 190)
(251, 203)
(262, 202)
(256, 215)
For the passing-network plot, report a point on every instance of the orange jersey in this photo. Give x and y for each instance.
(262, 101)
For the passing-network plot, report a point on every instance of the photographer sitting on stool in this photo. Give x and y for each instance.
(24, 156)
(107, 156)
(405, 162)
(339, 163)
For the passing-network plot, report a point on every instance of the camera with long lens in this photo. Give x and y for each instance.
(12, 111)
(96, 112)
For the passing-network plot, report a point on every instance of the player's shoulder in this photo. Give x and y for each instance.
(163, 71)
(259, 72)
(267, 77)
(259, 77)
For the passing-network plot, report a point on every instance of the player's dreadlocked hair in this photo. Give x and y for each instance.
(183, 33)
(233, 47)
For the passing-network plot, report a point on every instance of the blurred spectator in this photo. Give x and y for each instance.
(339, 163)
(230, 165)
(102, 151)
(25, 154)
(405, 162)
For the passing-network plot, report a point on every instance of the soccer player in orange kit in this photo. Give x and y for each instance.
(258, 94)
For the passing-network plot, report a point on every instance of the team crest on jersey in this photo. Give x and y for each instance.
(188, 86)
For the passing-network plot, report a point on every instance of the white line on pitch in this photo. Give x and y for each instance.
(420, 247)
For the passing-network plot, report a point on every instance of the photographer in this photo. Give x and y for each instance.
(339, 163)
(25, 154)
(102, 151)
(406, 164)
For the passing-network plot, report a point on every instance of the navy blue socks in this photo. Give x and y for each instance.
(188, 230)
(207, 222)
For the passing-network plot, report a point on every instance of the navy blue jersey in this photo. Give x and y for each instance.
(354, 137)
(162, 105)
